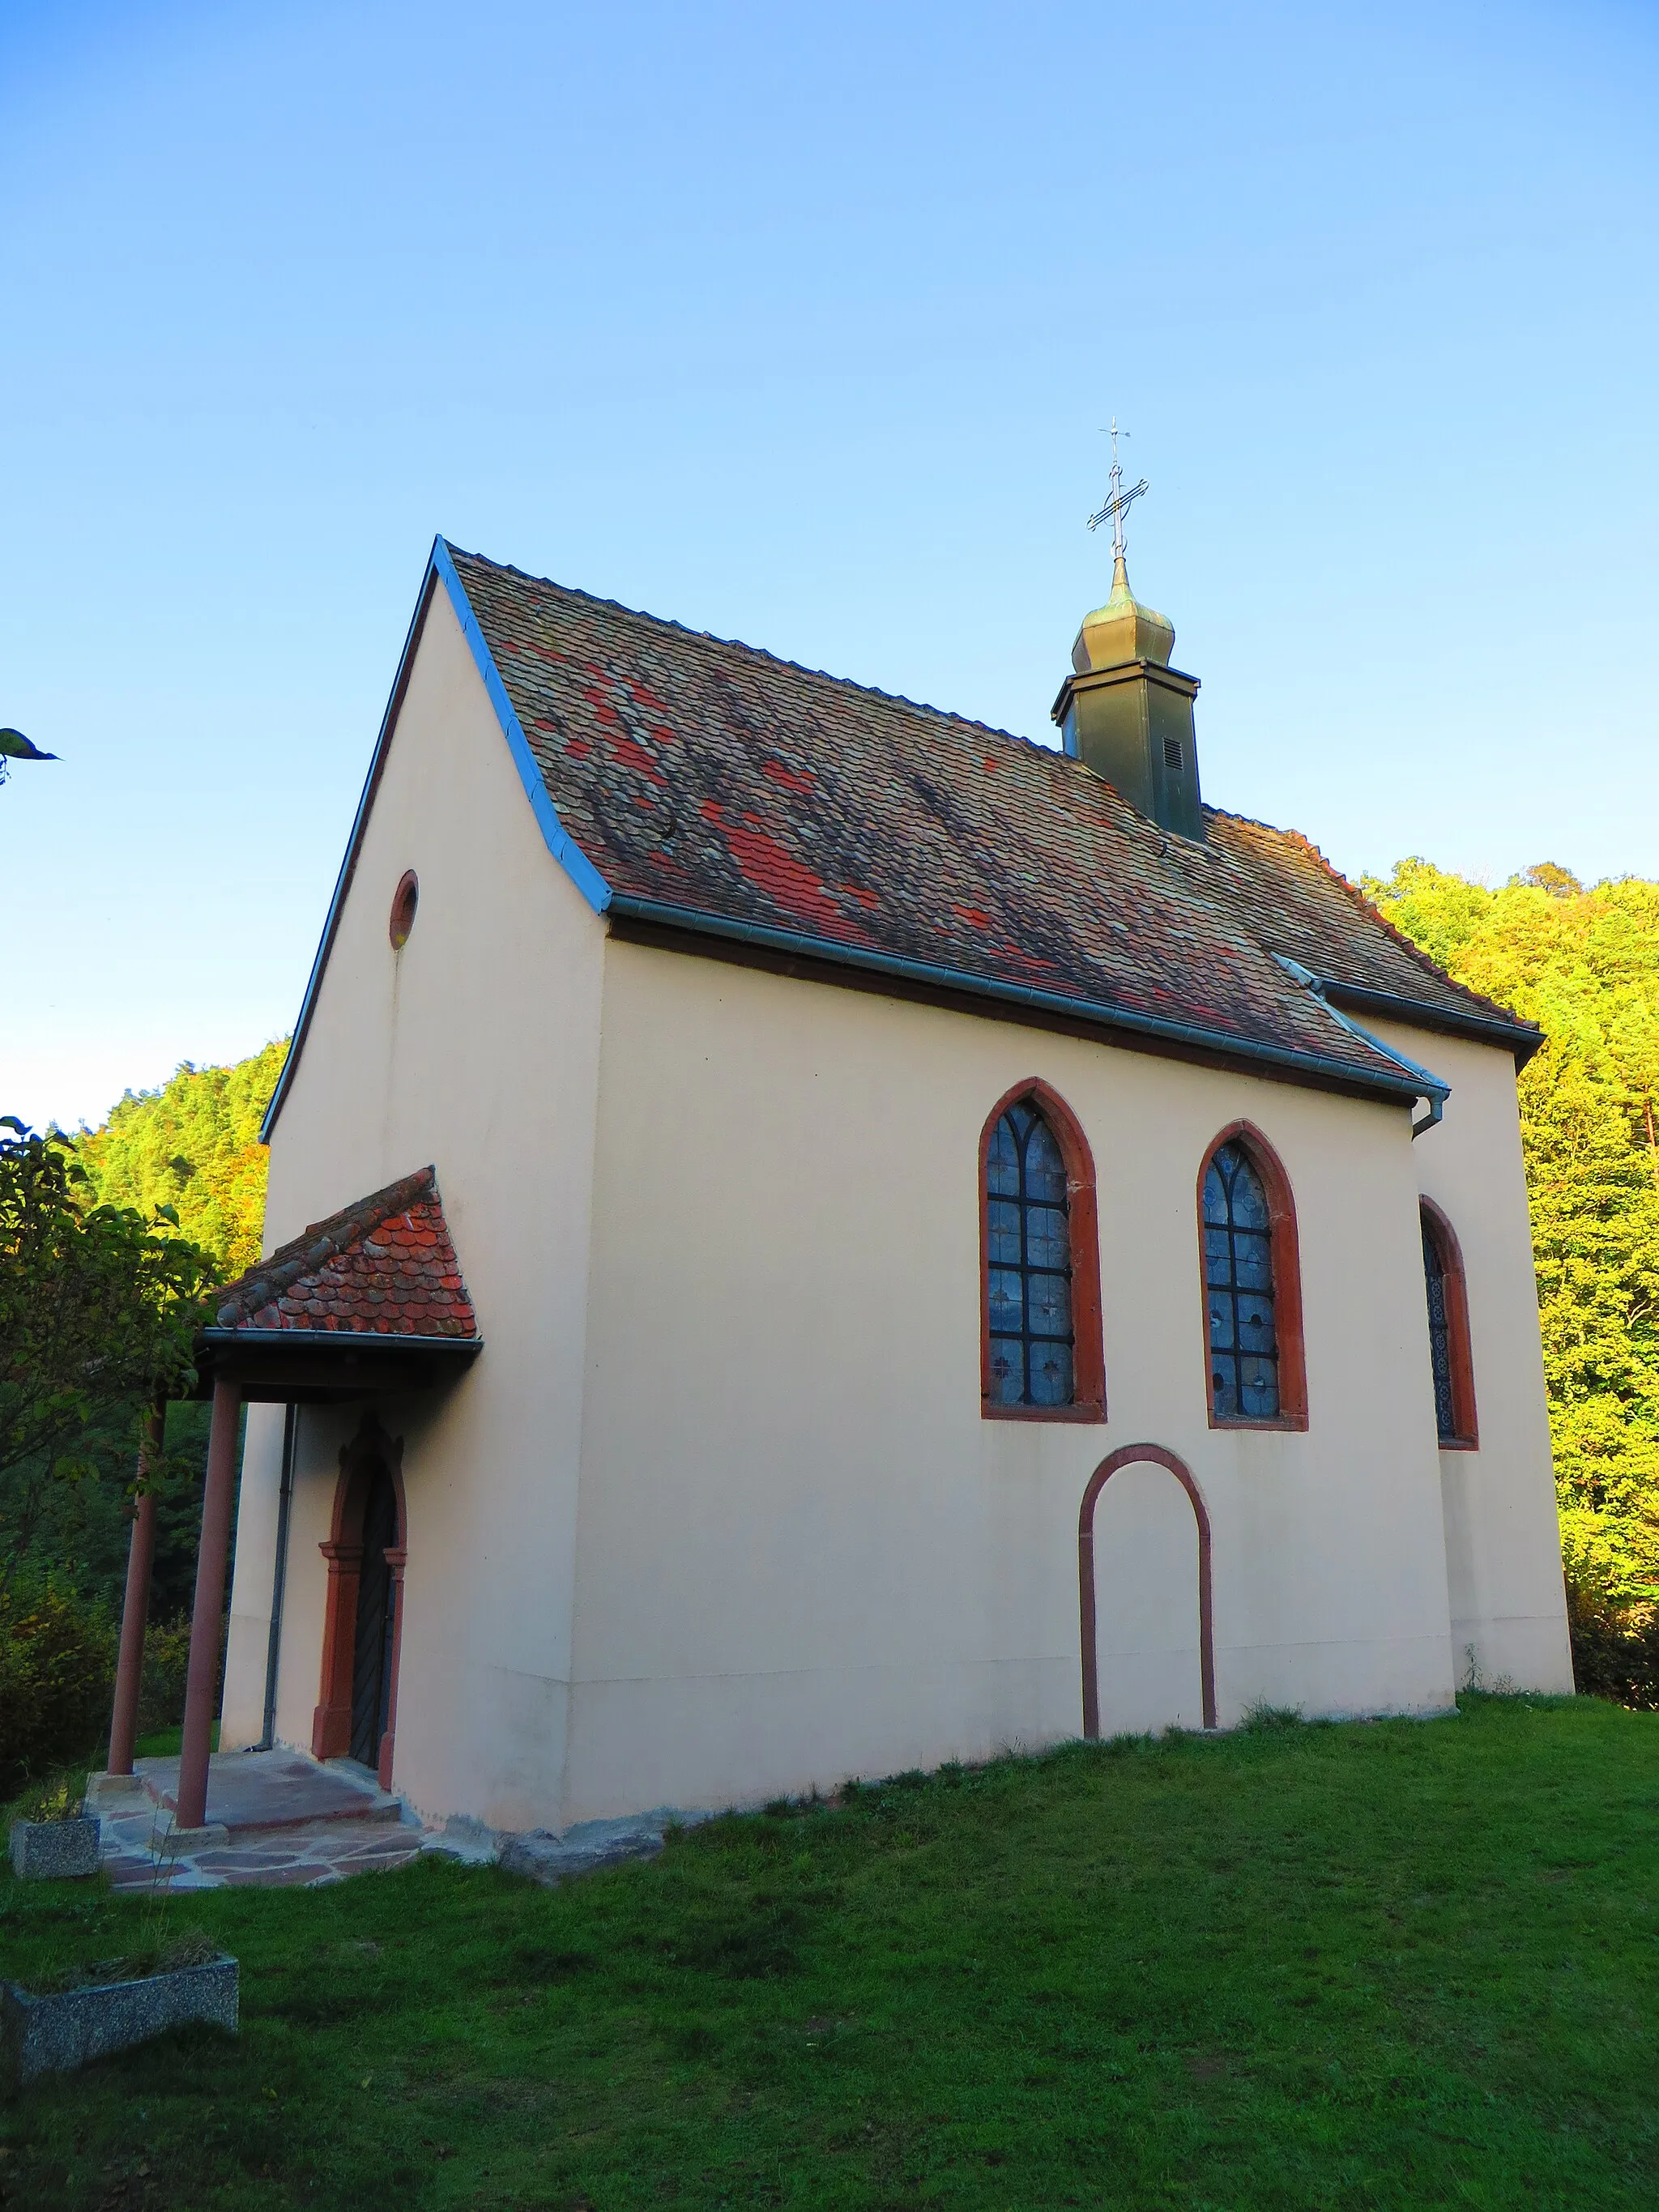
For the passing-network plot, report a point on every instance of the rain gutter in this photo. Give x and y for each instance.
(1431, 1089)
(1521, 1038)
(339, 1339)
(1407, 1088)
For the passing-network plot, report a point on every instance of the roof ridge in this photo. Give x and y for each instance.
(1373, 913)
(319, 1243)
(708, 637)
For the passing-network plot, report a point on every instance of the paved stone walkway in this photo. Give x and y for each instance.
(275, 1818)
(279, 1819)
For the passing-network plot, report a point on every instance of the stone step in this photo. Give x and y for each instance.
(250, 1790)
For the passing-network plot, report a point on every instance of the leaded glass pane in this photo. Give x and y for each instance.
(1215, 1197)
(1004, 1225)
(1051, 1374)
(1256, 1327)
(1257, 1390)
(1238, 1274)
(1047, 1238)
(1434, 1278)
(1253, 1262)
(1048, 1306)
(1045, 1172)
(1249, 1203)
(1007, 1370)
(1028, 1274)
(1002, 1164)
(1008, 1302)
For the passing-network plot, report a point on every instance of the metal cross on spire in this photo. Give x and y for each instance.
(1119, 501)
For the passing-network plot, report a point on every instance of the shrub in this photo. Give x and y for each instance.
(167, 1662)
(60, 1799)
(57, 1672)
(1615, 1649)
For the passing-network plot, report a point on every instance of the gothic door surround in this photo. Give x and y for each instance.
(371, 1662)
(357, 1715)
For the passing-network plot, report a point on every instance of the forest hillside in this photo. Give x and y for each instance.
(1582, 963)
(194, 1145)
(1585, 965)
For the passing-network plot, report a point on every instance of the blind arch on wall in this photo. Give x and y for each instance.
(1250, 1275)
(1134, 1456)
(1041, 1354)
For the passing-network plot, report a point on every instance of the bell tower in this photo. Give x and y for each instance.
(1124, 711)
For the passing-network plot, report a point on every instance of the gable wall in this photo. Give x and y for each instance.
(1502, 1546)
(802, 1552)
(474, 1048)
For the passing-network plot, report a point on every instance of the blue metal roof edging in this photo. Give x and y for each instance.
(440, 567)
(1435, 1091)
(561, 845)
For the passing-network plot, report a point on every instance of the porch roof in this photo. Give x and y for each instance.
(370, 1299)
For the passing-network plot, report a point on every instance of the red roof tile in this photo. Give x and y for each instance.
(710, 778)
(385, 1266)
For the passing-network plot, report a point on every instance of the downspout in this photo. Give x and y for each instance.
(1435, 1092)
(285, 1501)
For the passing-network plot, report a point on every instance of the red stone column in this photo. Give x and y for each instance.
(207, 1620)
(134, 1610)
(331, 1723)
(397, 1559)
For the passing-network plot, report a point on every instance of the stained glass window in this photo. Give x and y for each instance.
(1029, 1277)
(1434, 1276)
(1238, 1279)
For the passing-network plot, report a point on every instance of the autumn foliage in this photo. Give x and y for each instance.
(193, 1145)
(1585, 965)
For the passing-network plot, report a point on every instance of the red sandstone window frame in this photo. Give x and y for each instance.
(1083, 1221)
(1287, 1281)
(1459, 1352)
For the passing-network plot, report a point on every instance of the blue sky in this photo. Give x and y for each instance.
(799, 327)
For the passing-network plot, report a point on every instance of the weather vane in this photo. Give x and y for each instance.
(1120, 501)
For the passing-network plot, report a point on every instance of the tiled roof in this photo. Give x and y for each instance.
(385, 1267)
(716, 781)
(1299, 905)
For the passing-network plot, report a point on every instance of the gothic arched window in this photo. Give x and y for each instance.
(1252, 1290)
(1041, 1266)
(1449, 1360)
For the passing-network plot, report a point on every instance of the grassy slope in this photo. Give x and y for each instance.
(1392, 1964)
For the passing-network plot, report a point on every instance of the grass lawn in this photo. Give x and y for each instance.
(1404, 1964)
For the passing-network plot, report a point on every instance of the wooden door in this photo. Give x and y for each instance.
(371, 1666)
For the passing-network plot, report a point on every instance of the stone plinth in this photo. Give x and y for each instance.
(56, 2034)
(49, 1851)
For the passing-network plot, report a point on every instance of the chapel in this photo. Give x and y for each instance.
(808, 1236)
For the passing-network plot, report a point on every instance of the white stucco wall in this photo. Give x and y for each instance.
(1502, 1544)
(716, 1515)
(475, 1050)
(802, 1553)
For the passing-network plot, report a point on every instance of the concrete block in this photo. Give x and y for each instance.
(173, 1842)
(50, 1851)
(56, 2034)
(110, 1793)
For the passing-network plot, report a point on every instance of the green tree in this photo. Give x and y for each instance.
(99, 1309)
(1584, 964)
(193, 1145)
